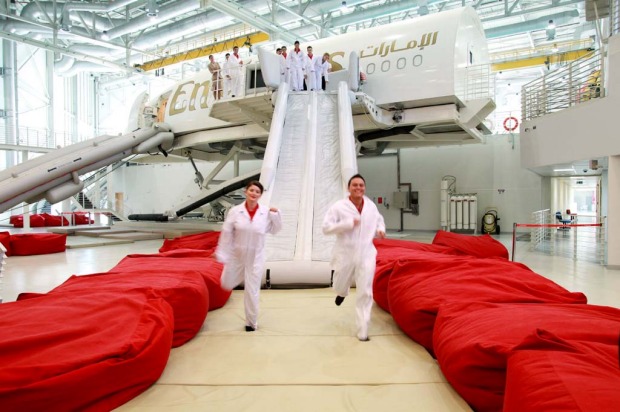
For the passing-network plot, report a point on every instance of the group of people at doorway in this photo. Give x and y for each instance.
(304, 70)
(301, 70)
(354, 220)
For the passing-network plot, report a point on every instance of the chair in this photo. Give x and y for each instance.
(564, 222)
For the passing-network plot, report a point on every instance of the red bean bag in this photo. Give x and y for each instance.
(5, 239)
(199, 241)
(35, 221)
(186, 293)
(182, 260)
(419, 285)
(53, 220)
(81, 351)
(561, 376)
(37, 243)
(389, 251)
(472, 341)
(480, 246)
(82, 218)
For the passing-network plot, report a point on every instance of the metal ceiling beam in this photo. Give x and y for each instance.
(540, 23)
(78, 56)
(234, 9)
(304, 18)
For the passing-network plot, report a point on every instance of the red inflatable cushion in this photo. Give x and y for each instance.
(389, 251)
(473, 340)
(5, 239)
(200, 241)
(82, 218)
(480, 246)
(186, 293)
(37, 243)
(35, 221)
(53, 220)
(182, 260)
(561, 376)
(81, 351)
(418, 286)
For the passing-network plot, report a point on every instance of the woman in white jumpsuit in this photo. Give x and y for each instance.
(355, 221)
(242, 248)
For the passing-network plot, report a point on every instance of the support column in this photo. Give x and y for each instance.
(613, 213)
(9, 62)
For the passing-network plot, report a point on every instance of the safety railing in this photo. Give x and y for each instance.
(243, 81)
(577, 82)
(576, 240)
(475, 82)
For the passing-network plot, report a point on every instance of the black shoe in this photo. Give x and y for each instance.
(232, 95)
(249, 328)
(339, 300)
(366, 339)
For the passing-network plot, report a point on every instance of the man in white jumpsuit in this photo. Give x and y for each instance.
(313, 64)
(226, 69)
(296, 62)
(236, 72)
(241, 248)
(355, 221)
(283, 68)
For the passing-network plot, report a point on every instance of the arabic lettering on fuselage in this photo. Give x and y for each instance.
(428, 39)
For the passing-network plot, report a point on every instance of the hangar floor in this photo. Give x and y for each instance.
(304, 356)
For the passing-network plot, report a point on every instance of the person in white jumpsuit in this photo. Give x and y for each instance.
(226, 69)
(312, 64)
(283, 68)
(241, 248)
(297, 62)
(326, 68)
(236, 73)
(355, 221)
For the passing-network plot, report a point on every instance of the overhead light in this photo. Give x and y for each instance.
(151, 8)
(105, 36)
(564, 170)
(343, 6)
(550, 30)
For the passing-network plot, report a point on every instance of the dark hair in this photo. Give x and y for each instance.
(278, 49)
(210, 55)
(284, 47)
(296, 41)
(235, 47)
(356, 176)
(227, 54)
(255, 183)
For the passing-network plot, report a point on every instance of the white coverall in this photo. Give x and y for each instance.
(296, 62)
(354, 255)
(313, 64)
(283, 70)
(226, 74)
(326, 68)
(241, 249)
(236, 74)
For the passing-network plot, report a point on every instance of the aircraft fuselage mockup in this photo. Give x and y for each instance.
(417, 72)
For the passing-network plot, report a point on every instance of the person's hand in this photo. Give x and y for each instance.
(356, 221)
(381, 234)
(273, 209)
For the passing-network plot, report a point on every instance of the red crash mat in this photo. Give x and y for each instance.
(418, 286)
(37, 243)
(35, 221)
(179, 261)
(561, 376)
(200, 241)
(480, 246)
(472, 341)
(186, 293)
(81, 351)
(389, 251)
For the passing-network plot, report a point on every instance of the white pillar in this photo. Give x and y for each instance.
(613, 213)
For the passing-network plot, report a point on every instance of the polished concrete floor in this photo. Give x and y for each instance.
(305, 356)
